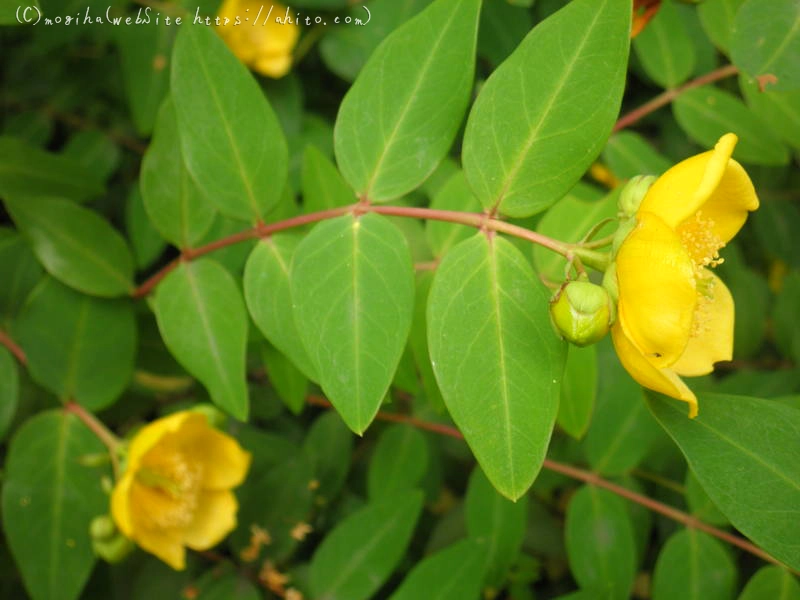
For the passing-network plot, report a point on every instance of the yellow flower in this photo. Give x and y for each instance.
(254, 35)
(176, 489)
(674, 316)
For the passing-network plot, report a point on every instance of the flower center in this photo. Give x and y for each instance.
(700, 240)
(174, 488)
(702, 310)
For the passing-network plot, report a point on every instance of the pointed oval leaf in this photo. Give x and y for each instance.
(628, 154)
(203, 321)
(496, 358)
(765, 40)
(544, 115)
(665, 49)
(49, 499)
(354, 560)
(19, 270)
(717, 17)
(578, 390)
(771, 582)
(497, 522)
(622, 431)
(455, 194)
(268, 295)
(175, 205)
(751, 473)
(9, 390)
(288, 381)
(455, 572)
(323, 185)
(600, 542)
(779, 110)
(328, 446)
(707, 113)
(232, 142)
(75, 245)
(694, 566)
(352, 285)
(29, 171)
(78, 347)
(400, 116)
(399, 462)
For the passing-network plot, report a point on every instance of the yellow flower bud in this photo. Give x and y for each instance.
(581, 312)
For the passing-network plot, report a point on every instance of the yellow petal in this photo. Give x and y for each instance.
(214, 518)
(656, 290)
(149, 435)
(710, 182)
(120, 504)
(273, 66)
(712, 333)
(665, 381)
(165, 544)
(225, 463)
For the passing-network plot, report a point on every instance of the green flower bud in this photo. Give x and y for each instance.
(633, 193)
(102, 528)
(216, 418)
(114, 550)
(581, 312)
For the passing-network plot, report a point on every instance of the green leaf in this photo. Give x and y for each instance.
(146, 242)
(503, 26)
(49, 499)
(622, 431)
(19, 272)
(9, 390)
(398, 463)
(665, 49)
(717, 18)
(174, 203)
(455, 572)
(352, 285)
(328, 445)
(779, 110)
(288, 380)
(203, 321)
(400, 116)
(354, 559)
(723, 453)
(771, 582)
(94, 150)
(628, 154)
(496, 522)
(145, 56)
(569, 220)
(693, 566)
(27, 171)
(708, 113)
(276, 499)
(787, 335)
(75, 245)
(224, 586)
(78, 347)
(775, 222)
(533, 131)
(418, 340)
(345, 50)
(323, 185)
(700, 505)
(496, 358)
(12, 13)
(231, 139)
(268, 296)
(453, 195)
(578, 391)
(600, 542)
(765, 40)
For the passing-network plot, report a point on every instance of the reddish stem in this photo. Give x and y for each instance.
(589, 478)
(12, 346)
(670, 95)
(477, 220)
(109, 440)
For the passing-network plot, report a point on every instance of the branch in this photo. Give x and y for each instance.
(670, 95)
(12, 346)
(589, 478)
(103, 433)
(477, 220)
